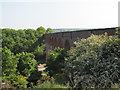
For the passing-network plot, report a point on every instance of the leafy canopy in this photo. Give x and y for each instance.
(94, 62)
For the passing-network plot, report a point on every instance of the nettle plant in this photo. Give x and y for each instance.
(94, 62)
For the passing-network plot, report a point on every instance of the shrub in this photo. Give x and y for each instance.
(21, 82)
(94, 62)
(56, 61)
(9, 62)
(14, 81)
(50, 85)
(56, 64)
(26, 64)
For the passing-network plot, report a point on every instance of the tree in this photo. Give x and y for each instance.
(49, 30)
(56, 61)
(9, 62)
(22, 50)
(40, 31)
(94, 62)
(26, 64)
(39, 53)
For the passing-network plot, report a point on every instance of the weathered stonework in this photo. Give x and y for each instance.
(66, 39)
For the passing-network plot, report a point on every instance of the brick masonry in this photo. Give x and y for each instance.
(66, 39)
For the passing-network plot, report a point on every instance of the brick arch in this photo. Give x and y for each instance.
(60, 42)
(66, 39)
(67, 44)
(54, 39)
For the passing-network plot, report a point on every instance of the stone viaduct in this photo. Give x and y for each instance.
(66, 39)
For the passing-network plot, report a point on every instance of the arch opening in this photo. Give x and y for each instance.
(67, 44)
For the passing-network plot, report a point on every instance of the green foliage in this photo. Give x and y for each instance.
(9, 62)
(21, 82)
(26, 40)
(50, 85)
(94, 62)
(41, 31)
(14, 66)
(60, 78)
(26, 63)
(56, 65)
(39, 53)
(49, 30)
(18, 81)
(118, 31)
(56, 61)
(45, 78)
(22, 50)
(34, 77)
(116, 86)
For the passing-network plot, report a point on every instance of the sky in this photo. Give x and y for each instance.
(24, 14)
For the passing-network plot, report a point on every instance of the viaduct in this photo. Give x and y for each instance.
(66, 39)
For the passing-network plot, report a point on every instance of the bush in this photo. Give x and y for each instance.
(21, 82)
(94, 62)
(14, 81)
(45, 78)
(26, 64)
(47, 82)
(9, 62)
(116, 86)
(56, 61)
(56, 64)
(50, 85)
(22, 50)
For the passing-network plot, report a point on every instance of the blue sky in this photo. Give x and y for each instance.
(59, 14)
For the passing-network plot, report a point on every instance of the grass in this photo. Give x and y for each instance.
(50, 85)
